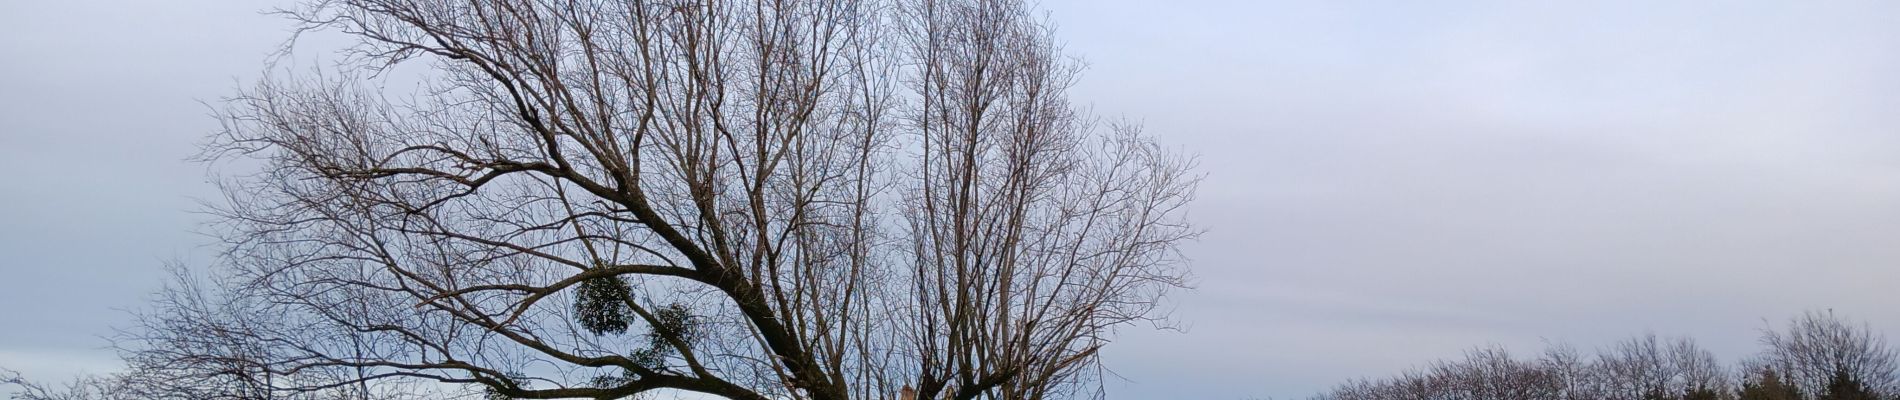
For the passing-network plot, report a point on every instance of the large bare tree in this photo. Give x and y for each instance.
(811, 199)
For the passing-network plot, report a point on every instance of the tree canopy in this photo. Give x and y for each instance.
(796, 199)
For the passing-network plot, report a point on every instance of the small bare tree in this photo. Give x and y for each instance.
(810, 199)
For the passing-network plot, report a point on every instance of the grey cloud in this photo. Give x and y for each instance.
(1387, 183)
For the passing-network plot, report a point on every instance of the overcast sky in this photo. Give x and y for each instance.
(1387, 182)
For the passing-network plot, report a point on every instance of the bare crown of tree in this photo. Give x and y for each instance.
(820, 199)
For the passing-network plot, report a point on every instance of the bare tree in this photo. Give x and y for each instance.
(813, 199)
(1639, 368)
(1650, 367)
(1698, 373)
(1483, 374)
(82, 388)
(1817, 349)
(1817, 356)
(200, 341)
(1635, 368)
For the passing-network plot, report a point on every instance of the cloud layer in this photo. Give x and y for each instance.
(1386, 183)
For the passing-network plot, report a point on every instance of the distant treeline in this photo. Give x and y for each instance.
(1816, 356)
